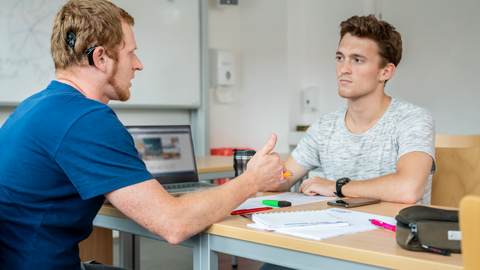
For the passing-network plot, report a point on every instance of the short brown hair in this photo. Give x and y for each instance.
(389, 40)
(94, 22)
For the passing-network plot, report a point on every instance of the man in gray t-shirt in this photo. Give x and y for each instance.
(330, 146)
(386, 143)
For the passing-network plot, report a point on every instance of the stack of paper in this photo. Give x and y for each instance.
(278, 220)
(358, 222)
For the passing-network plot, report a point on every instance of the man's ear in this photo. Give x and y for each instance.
(100, 58)
(387, 72)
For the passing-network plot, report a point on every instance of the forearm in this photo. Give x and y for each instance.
(178, 218)
(391, 188)
(406, 185)
(194, 212)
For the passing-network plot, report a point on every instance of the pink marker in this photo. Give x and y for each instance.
(383, 224)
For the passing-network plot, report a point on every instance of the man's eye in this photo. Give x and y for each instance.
(339, 58)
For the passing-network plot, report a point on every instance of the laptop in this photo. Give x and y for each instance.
(168, 154)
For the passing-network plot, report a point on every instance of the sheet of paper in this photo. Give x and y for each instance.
(358, 222)
(294, 198)
(317, 218)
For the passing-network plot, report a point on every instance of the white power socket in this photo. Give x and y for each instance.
(310, 99)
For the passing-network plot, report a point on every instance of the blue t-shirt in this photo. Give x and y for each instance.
(59, 153)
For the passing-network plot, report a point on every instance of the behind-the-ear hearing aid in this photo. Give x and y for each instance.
(89, 52)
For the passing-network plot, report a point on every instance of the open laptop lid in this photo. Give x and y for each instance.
(167, 152)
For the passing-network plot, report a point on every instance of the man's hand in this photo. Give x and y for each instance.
(265, 168)
(317, 185)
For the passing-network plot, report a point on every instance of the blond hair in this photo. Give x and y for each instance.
(94, 22)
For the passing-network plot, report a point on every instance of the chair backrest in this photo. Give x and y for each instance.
(442, 140)
(458, 174)
(469, 217)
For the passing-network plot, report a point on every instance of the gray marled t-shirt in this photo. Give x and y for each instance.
(403, 128)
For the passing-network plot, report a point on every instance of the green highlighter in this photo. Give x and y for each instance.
(277, 203)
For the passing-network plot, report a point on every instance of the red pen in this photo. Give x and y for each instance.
(243, 211)
(383, 224)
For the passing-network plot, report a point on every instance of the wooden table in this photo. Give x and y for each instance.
(214, 167)
(375, 249)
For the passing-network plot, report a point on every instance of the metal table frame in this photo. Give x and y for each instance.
(206, 247)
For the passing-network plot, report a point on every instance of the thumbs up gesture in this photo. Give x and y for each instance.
(265, 168)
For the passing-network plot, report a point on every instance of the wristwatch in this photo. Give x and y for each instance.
(340, 183)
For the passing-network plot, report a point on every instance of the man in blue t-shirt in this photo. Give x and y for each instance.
(63, 151)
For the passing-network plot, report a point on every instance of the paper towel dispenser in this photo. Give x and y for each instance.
(222, 68)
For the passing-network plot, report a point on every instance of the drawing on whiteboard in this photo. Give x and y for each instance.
(26, 65)
(27, 28)
(25, 61)
(28, 25)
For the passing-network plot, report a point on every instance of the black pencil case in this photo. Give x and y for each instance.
(423, 228)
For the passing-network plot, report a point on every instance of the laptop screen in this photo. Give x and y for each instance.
(167, 152)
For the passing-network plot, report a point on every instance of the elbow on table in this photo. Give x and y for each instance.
(174, 238)
(175, 235)
(410, 197)
(408, 200)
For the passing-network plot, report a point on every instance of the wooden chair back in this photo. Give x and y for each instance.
(442, 140)
(457, 175)
(469, 217)
(98, 246)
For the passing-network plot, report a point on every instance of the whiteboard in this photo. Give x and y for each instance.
(167, 33)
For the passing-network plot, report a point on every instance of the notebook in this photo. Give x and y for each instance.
(357, 222)
(315, 218)
(169, 156)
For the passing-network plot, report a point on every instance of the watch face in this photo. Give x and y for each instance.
(343, 181)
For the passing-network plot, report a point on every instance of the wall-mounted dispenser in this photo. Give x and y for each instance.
(222, 73)
(222, 70)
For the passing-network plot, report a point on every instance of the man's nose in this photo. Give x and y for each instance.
(137, 64)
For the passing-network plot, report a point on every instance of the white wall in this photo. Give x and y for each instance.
(284, 46)
(317, 28)
(277, 57)
(224, 34)
(441, 63)
(261, 103)
(265, 103)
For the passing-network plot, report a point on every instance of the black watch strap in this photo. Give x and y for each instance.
(340, 183)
